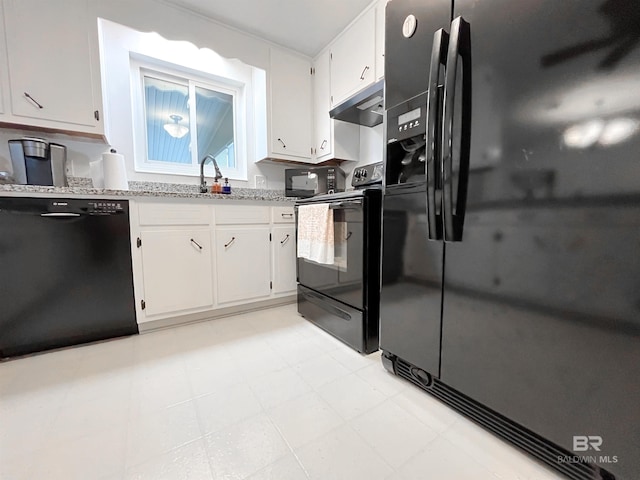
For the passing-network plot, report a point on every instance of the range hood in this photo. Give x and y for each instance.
(364, 108)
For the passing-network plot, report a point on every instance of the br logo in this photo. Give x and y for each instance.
(582, 443)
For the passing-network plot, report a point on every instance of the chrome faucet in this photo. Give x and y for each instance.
(203, 184)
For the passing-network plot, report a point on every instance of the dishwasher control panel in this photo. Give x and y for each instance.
(106, 206)
(76, 207)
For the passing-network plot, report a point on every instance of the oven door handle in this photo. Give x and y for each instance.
(349, 204)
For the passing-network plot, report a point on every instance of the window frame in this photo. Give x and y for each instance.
(182, 76)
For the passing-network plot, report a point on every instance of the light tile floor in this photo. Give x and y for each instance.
(264, 395)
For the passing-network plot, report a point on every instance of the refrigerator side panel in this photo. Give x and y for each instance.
(541, 311)
(411, 294)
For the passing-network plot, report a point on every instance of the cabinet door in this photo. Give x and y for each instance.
(50, 60)
(284, 259)
(380, 26)
(333, 138)
(242, 263)
(290, 105)
(353, 58)
(176, 270)
(321, 105)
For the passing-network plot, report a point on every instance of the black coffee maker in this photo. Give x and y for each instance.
(38, 162)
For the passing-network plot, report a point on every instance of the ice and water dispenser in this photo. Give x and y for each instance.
(406, 142)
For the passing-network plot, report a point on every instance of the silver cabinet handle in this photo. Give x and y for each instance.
(348, 236)
(33, 100)
(324, 144)
(287, 215)
(285, 239)
(363, 72)
(196, 243)
(283, 144)
(233, 239)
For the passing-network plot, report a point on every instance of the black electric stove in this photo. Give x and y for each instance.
(344, 298)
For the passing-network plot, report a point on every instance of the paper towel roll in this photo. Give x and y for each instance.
(115, 173)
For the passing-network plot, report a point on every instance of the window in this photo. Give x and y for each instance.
(184, 119)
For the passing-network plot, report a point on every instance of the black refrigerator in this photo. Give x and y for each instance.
(511, 220)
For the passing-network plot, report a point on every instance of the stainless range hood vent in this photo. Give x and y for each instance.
(364, 108)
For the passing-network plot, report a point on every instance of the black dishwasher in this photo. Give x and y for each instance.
(65, 273)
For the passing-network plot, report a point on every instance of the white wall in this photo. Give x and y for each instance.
(172, 23)
(124, 118)
(371, 150)
(79, 151)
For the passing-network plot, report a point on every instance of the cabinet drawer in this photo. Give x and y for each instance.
(282, 215)
(173, 214)
(241, 215)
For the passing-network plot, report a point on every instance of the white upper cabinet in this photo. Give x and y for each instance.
(332, 138)
(380, 32)
(353, 58)
(323, 146)
(290, 125)
(49, 54)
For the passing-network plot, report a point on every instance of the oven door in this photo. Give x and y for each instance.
(343, 280)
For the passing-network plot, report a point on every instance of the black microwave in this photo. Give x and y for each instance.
(310, 181)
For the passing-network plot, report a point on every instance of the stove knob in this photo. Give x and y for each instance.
(364, 174)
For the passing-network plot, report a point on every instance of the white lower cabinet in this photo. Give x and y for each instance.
(176, 270)
(193, 258)
(284, 259)
(242, 263)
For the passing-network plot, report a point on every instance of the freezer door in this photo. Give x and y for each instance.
(541, 311)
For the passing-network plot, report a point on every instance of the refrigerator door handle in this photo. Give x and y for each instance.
(459, 47)
(434, 129)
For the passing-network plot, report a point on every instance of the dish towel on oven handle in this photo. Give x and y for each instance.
(315, 233)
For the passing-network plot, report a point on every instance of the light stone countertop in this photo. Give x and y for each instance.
(81, 186)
